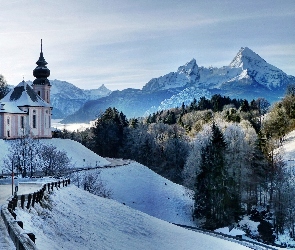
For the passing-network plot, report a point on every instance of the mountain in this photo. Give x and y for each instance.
(248, 76)
(66, 98)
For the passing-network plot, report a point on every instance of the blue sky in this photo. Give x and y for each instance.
(125, 43)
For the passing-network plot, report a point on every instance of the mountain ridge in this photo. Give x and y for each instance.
(66, 98)
(247, 76)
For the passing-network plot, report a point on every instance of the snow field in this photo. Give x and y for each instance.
(75, 219)
(140, 188)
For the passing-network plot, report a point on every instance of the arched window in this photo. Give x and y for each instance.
(34, 119)
(22, 121)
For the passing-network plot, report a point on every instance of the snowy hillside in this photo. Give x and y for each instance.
(140, 188)
(133, 184)
(80, 156)
(75, 219)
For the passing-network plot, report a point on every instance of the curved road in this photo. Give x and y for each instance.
(5, 193)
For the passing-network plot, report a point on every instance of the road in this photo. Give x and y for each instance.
(5, 193)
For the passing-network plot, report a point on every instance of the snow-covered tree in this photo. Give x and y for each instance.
(3, 87)
(29, 157)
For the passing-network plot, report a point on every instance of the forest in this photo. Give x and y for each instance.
(226, 150)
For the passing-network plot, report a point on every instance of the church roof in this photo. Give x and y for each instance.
(22, 95)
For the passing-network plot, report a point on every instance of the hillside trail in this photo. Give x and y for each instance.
(117, 162)
(5, 192)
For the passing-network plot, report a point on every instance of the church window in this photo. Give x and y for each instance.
(22, 121)
(39, 93)
(34, 121)
(8, 133)
(8, 121)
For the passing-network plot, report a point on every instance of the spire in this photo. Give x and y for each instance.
(41, 72)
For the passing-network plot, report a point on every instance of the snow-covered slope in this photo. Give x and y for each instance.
(134, 184)
(80, 156)
(75, 219)
(140, 188)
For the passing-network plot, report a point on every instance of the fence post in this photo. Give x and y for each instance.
(21, 224)
(22, 201)
(34, 199)
(14, 202)
(32, 236)
(29, 201)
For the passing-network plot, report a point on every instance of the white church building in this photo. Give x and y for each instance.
(26, 109)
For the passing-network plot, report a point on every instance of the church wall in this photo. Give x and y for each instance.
(1, 125)
(38, 128)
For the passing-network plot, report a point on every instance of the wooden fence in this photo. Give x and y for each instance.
(21, 239)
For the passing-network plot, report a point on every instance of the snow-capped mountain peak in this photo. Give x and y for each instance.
(190, 69)
(246, 58)
(258, 69)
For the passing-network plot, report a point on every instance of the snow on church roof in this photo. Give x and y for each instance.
(22, 95)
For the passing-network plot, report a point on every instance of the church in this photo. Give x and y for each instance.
(26, 109)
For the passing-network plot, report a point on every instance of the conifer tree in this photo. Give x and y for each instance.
(215, 200)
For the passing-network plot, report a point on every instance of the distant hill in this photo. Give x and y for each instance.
(248, 76)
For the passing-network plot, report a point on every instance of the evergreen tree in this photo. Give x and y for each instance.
(214, 199)
(108, 132)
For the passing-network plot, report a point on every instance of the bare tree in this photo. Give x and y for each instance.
(93, 183)
(53, 161)
(28, 156)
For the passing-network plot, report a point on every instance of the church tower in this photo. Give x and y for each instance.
(41, 84)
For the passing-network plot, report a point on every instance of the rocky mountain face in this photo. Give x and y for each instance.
(248, 76)
(66, 98)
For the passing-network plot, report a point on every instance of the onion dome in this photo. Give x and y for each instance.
(41, 72)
